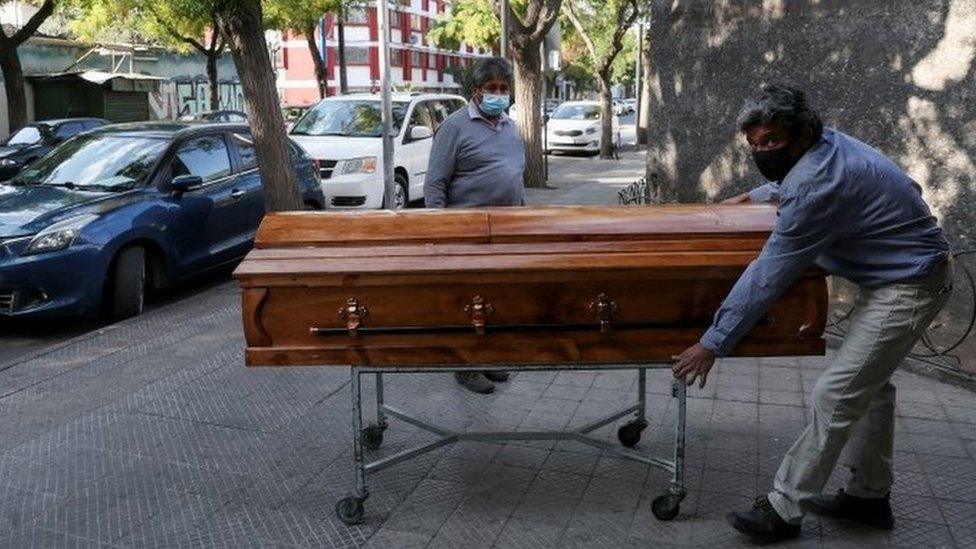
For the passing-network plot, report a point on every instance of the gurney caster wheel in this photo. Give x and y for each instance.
(350, 510)
(666, 507)
(629, 434)
(372, 436)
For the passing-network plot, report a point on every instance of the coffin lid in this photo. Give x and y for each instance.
(512, 225)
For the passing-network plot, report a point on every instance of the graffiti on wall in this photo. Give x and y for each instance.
(181, 98)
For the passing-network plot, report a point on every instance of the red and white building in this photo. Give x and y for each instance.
(415, 63)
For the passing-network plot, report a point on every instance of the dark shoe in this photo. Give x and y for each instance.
(763, 524)
(475, 381)
(871, 511)
(497, 377)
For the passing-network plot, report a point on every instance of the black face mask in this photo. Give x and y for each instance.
(774, 164)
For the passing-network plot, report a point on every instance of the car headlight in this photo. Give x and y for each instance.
(59, 235)
(591, 130)
(366, 164)
(6, 162)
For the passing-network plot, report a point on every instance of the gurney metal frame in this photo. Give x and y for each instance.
(351, 509)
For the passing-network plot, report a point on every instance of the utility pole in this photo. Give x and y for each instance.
(639, 72)
(386, 110)
(504, 25)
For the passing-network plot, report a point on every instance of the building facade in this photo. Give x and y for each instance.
(415, 63)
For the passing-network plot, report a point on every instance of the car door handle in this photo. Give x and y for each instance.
(237, 194)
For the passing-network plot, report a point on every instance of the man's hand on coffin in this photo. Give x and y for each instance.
(694, 362)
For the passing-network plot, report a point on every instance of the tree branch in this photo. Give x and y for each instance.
(545, 21)
(170, 30)
(617, 43)
(28, 30)
(574, 19)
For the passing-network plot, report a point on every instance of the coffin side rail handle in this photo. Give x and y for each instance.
(480, 312)
(354, 313)
(605, 309)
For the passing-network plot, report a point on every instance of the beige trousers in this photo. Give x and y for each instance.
(854, 400)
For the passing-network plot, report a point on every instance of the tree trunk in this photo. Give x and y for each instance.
(13, 84)
(321, 76)
(212, 81)
(647, 73)
(528, 120)
(240, 23)
(606, 115)
(343, 86)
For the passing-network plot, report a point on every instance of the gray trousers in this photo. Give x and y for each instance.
(854, 400)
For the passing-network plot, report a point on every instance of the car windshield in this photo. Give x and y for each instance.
(97, 162)
(28, 135)
(348, 118)
(576, 112)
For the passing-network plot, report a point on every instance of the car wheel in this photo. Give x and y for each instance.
(399, 192)
(128, 289)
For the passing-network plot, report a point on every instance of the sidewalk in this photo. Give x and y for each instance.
(152, 433)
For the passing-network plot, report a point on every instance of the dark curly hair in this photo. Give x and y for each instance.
(783, 104)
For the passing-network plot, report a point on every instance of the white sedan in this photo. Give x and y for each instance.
(575, 126)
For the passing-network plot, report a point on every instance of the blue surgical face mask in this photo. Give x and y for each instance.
(493, 104)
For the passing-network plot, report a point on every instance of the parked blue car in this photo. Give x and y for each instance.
(116, 211)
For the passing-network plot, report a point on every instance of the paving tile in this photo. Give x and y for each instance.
(566, 485)
(571, 462)
(960, 489)
(946, 466)
(387, 537)
(525, 534)
(963, 536)
(917, 509)
(546, 508)
(909, 533)
(464, 529)
(943, 446)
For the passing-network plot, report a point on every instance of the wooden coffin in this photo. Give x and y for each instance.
(554, 285)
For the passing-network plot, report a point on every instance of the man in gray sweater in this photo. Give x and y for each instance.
(477, 159)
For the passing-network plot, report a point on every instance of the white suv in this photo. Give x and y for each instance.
(343, 134)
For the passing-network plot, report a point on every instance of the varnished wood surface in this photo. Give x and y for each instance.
(665, 268)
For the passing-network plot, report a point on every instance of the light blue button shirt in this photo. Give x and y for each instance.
(845, 207)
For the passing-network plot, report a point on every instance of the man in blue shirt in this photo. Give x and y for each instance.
(845, 207)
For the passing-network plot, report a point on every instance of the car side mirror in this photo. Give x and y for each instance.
(420, 132)
(183, 183)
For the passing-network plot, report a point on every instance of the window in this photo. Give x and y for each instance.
(441, 109)
(415, 23)
(357, 56)
(348, 118)
(415, 59)
(394, 19)
(356, 16)
(203, 156)
(396, 58)
(421, 116)
(431, 60)
(68, 129)
(104, 162)
(234, 117)
(245, 146)
(28, 135)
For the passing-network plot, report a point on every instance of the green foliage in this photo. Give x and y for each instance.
(603, 27)
(179, 24)
(297, 15)
(473, 22)
(470, 21)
